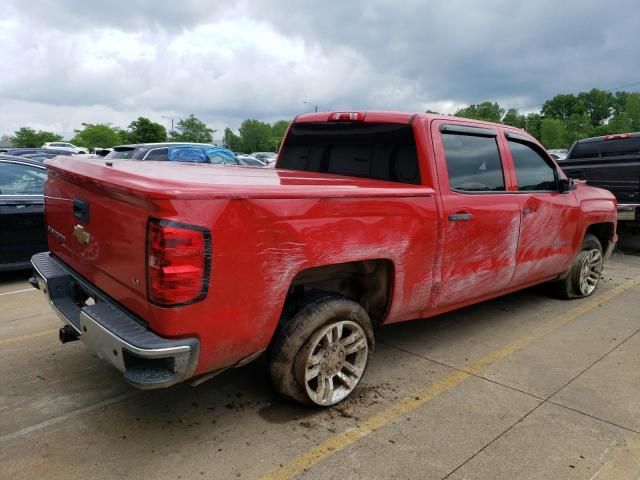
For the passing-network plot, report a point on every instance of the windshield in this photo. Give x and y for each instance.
(121, 152)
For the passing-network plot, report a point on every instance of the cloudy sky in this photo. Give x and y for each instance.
(66, 62)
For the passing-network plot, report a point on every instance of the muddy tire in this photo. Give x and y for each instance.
(321, 353)
(585, 271)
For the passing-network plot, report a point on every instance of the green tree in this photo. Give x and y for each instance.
(598, 105)
(632, 108)
(514, 118)
(619, 102)
(191, 129)
(563, 106)
(620, 123)
(578, 126)
(278, 129)
(256, 136)
(98, 135)
(27, 137)
(232, 141)
(553, 133)
(144, 130)
(488, 111)
(533, 124)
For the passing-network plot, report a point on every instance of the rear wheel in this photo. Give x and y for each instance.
(321, 353)
(585, 273)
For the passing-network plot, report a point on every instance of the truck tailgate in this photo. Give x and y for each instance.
(100, 232)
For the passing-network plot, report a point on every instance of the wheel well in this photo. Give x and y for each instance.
(367, 282)
(603, 231)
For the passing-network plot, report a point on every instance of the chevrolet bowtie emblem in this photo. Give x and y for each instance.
(81, 234)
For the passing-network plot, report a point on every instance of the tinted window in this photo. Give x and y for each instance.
(187, 154)
(158, 154)
(606, 148)
(532, 170)
(218, 155)
(19, 179)
(473, 162)
(372, 150)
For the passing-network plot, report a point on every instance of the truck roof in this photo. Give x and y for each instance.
(381, 116)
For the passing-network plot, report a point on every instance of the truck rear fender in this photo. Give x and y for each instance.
(368, 282)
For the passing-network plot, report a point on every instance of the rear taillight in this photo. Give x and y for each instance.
(178, 262)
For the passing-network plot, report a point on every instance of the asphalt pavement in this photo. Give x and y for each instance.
(520, 387)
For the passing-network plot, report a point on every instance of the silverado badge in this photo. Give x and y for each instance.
(81, 234)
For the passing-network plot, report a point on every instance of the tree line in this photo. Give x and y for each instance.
(254, 135)
(562, 120)
(568, 117)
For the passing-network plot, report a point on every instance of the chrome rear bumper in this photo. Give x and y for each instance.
(146, 359)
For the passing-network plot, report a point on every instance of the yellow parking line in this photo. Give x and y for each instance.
(408, 404)
(24, 290)
(4, 341)
(625, 464)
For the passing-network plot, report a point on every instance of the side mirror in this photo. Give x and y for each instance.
(566, 185)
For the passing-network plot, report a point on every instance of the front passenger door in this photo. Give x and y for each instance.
(549, 217)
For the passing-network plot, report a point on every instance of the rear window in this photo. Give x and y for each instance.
(606, 148)
(383, 151)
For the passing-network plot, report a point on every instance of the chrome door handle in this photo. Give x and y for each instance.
(457, 217)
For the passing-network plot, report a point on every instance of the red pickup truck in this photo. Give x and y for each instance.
(173, 272)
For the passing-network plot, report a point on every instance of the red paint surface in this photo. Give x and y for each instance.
(269, 225)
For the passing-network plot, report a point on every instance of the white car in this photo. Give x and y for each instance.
(558, 153)
(70, 147)
(268, 158)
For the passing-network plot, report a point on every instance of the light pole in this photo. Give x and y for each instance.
(169, 118)
(314, 104)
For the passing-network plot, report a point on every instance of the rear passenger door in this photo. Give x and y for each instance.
(481, 220)
(549, 217)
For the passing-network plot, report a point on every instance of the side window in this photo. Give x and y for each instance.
(473, 162)
(157, 154)
(532, 170)
(17, 179)
(187, 154)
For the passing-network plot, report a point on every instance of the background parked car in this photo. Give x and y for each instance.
(249, 161)
(558, 153)
(175, 152)
(268, 158)
(66, 146)
(22, 230)
(19, 152)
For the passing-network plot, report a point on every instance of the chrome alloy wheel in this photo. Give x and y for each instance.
(333, 361)
(590, 270)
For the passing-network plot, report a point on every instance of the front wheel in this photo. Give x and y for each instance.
(321, 353)
(585, 273)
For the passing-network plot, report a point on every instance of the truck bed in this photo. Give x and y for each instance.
(162, 180)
